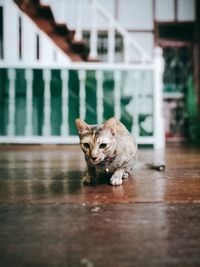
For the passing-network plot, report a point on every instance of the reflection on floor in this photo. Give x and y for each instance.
(49, 218)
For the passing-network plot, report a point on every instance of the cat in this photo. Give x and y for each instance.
(109, 149)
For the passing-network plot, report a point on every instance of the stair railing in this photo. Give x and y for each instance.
(151, 97)
(24, 42)
(113, 26)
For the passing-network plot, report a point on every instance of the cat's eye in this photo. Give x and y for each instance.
(86, 145)
(103, 145)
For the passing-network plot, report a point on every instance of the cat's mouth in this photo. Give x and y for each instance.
(96, 161)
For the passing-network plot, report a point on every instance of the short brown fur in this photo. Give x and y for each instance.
(109, 149)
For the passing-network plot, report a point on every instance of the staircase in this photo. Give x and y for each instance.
(60, 34)
(43, 91)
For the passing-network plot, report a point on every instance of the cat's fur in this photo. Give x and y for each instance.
(108, 148)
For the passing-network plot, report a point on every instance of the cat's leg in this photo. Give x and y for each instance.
(117, 176)
(87, 179)
(90, 175)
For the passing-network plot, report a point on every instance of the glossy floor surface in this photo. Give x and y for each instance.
(49, 218)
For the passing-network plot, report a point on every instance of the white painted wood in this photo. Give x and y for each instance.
(11, 33)
(29, 102)
(158, 100)
(39, 140)
(146, 41)
(74, 139)
(65, 103)
(82, 65)
(120, 29)
(117, 94)
(186, 10)
(135, 70)
(127, 55)
(46, 51)
(28, 41)
(93, 32)
(99, 79)
(165, 10)
(46, 130)
(136, 104)
(82, 93)
(11, 103)
(78, 35)
(136, 14)
(111, 43)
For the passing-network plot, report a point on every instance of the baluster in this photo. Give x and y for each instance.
(135, 104)
(82, 95)
(158, 99)
(127, 56)
(117, 94)
(11, 102)
(65, 104)
(46, 131)
(99, 79)
(79, 35)
(93, 33)
(29, 102)
(111, 43)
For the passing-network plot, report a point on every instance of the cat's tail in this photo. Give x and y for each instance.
(153, 166)
(157, 167)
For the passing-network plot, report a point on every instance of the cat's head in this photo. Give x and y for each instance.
(97, 142)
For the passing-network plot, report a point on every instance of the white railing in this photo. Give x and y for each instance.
(113, 26)
(24, 42)
(132, 51)
(130, 76)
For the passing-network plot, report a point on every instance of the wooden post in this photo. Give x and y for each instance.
(65, 104)
(136, 104)
(11, 103)
(117, 94)
(29, 102)
(46, 131)
(158, 99)
(78, 35)
(126, 49)
(82, 76)
(93, 33)
(11, 33)
(99, 79)
(111, 43)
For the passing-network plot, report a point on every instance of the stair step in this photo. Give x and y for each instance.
(42, 15)
(80, 47)
(65, 47)
(62, 29)
(94, 60)
(45, 12)
(45, 25)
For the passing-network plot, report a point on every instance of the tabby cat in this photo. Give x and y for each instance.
(108, 148)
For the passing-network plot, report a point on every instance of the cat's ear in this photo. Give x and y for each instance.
(111, 124)
(81, 125)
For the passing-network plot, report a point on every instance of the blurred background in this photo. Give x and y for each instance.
(137, 60)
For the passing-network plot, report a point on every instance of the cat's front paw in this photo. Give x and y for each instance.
(87, 179)
(116, 180)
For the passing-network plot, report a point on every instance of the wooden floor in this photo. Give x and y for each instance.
(49, 218)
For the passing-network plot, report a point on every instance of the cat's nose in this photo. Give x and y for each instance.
(94, 158)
